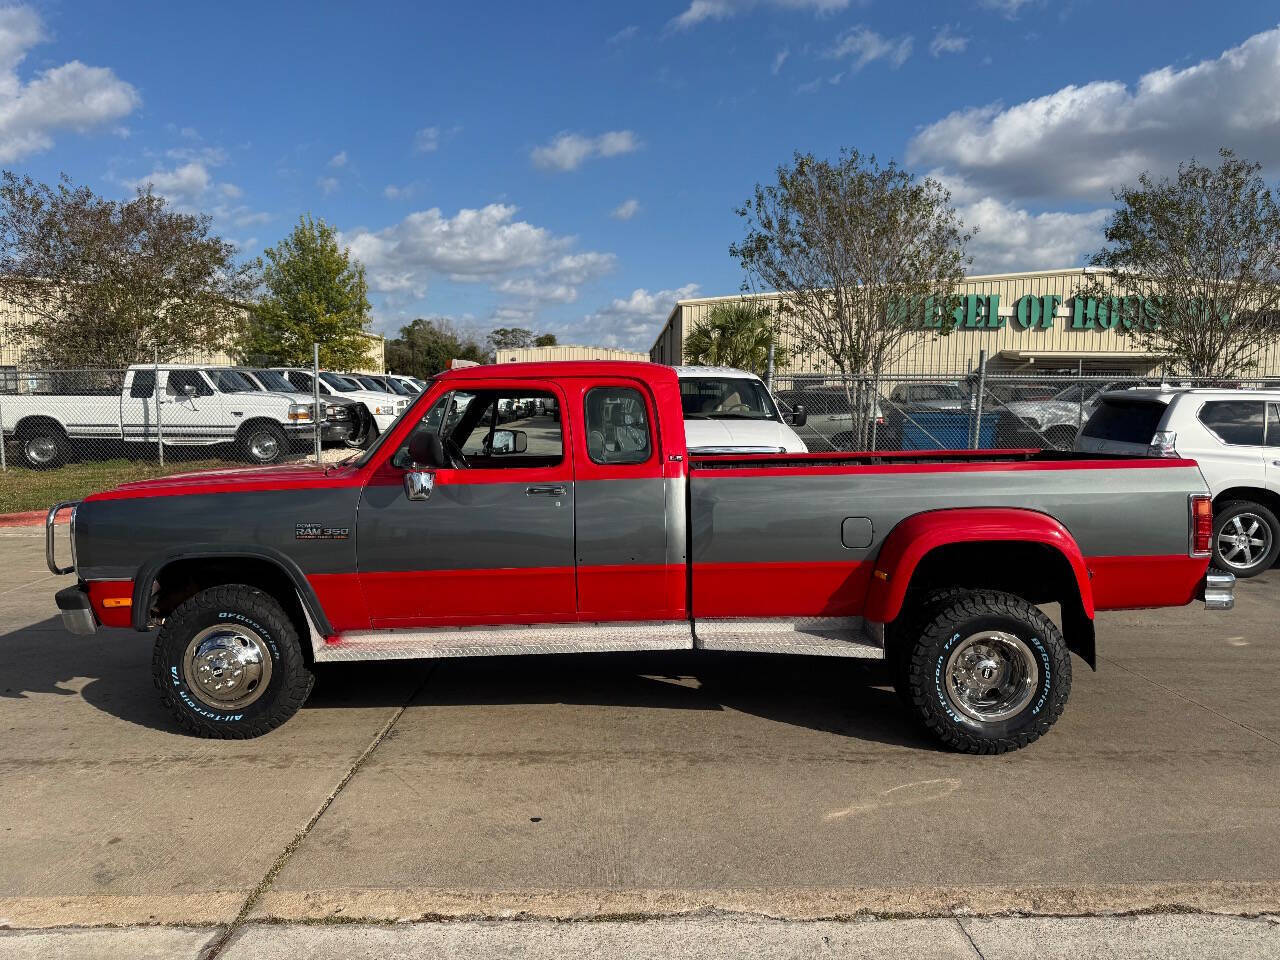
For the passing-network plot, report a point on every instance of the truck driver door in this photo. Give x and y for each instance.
(492, 541)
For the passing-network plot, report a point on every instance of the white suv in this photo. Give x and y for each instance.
(1234, 435)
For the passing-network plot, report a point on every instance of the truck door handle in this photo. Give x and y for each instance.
(551, 490)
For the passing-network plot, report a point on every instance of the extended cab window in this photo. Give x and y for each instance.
(617, 426)
(1237, 422)
(494, 429)
(143, 385)
(179, 380)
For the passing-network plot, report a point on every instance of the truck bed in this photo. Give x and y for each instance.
(732, 461)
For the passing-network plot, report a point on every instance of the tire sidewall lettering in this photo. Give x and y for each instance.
(183, 689)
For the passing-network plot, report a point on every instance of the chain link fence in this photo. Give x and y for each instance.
(72, 429)
(973, 409)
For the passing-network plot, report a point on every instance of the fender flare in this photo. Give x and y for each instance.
(913, 538)
(147, 573)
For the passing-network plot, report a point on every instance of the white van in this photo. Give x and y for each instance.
(731, 411)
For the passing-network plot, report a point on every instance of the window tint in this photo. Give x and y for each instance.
(179, 380)
(1125, 421)
(1238, 422)
(144, 384)
(1273, 425)
(617, 425)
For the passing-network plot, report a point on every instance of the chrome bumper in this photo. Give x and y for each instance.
(1219, 591)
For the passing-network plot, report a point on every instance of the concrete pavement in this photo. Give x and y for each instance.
(626, 786)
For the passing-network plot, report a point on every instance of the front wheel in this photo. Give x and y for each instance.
(45, 448)
(988, 673)
(229, 665)
(1246, 538)
(263, 443)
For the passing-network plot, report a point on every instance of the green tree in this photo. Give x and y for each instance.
(734, 335)
(313, 292)
(106, 283)
(1205, 246)
(509, 338)
(545, 340)
(425, 346)
(850, 243)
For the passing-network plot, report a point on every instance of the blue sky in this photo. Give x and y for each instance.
(573, 167)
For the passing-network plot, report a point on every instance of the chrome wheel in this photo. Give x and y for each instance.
(1244, 540)
(991, 676)
(227, 667)
(40, 450)
(264, 447)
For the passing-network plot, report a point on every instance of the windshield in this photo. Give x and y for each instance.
(726, 398)
(231, 381)
(274, 381)
(341, 384)
(924, 392)
(396, 387)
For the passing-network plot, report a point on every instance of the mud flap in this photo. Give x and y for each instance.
(1078, 632)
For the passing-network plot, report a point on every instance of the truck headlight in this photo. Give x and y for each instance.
(337, 412)
(300, 413)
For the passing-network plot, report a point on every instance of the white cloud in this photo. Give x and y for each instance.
(71, 96)
(230, 191)
(1009, 8)
(568, 151)
(426, 140)
(700, 10)
(1010, 238)
(471, 245)
(623, 35)
(946, 40)
(327, 185)
(184, 185)
(540, 290)
(626, 209)
(779, 59)
(394, 191)
(632, 321)
(1084, 141)
(863, 45)
(338, 160)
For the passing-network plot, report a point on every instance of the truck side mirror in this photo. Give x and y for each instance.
(189, 390)
(799, 415)
(427, 450)
(509, 441)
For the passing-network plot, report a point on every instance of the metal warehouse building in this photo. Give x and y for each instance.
(1028, 323)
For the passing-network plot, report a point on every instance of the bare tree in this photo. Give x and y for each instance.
(108, 283)
(1201, 256)
(866, 255)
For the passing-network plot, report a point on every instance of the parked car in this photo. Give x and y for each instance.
(383, 408)
(727, 410)
(455, 537)
(1058, 420)
(828, 423)
(197, 406)
(345, 420)
(1234, 435)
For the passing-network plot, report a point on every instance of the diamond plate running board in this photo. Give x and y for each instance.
(507, 640)
(811, 636)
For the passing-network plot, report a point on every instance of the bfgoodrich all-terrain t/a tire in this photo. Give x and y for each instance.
(229, 665)
(988, 673)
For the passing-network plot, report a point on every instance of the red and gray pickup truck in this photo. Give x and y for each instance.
(554, 508)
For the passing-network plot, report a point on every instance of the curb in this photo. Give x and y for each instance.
(30, 518)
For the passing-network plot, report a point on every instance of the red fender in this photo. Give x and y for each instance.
(909, 542)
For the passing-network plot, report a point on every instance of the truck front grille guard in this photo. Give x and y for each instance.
(49, 521)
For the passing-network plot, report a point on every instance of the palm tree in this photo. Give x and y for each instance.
(734, 334)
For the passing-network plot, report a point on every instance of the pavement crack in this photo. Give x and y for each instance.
(968, 936)
(220, 943)
(1192, 700)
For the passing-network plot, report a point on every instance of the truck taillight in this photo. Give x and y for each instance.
(1163, 444)
(1201, 525)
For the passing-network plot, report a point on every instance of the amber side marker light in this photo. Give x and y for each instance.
(118, 602)
(1201, 525)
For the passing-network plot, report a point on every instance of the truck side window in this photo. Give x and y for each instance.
(617, 426)
(143, 385)
(179, 380)
(1235, 422)
(492, 429)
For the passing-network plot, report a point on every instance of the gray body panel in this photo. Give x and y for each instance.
(626, 522)
(792, 517)
(115, 538)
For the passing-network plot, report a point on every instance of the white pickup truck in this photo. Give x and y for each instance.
(196, 406)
